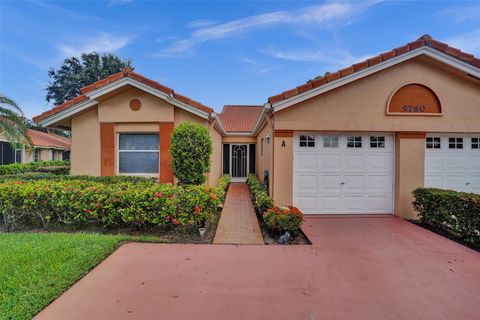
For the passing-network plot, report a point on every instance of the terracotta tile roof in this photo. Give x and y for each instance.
(44, 139)
(424, 41)
(239, 118)
(126, 73)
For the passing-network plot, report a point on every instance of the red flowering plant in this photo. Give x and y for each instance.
(284, 218)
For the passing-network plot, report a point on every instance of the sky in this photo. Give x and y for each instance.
(222, 52)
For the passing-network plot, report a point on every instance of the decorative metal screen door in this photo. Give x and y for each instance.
(239, 161)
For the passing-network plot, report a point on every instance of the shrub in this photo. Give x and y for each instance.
(80, 202)
(191, 149)
(222, 187)
(49, 176)
(452, 211)
(260, 198)
(281, 219)
(57, 170)
(16, 168)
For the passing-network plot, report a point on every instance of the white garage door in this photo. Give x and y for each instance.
(453, 162)
(343, 173)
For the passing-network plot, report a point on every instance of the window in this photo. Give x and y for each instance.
(261, 147)
(36, 155)
(330, 141)
(476, 143)
(377, 142)
(307, 141)
(138, 153)
(433, 143)
(18, 156)
(455, 143)
(54, 155)
(354, 141)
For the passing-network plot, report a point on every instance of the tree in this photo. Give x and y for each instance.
(191, 148)
(76, 73)
(12, 122)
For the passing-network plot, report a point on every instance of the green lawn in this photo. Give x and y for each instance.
(35, 268)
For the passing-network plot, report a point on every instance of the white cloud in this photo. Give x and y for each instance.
(322, 15)
(468, 42)
(258, 68)
(118, 2)
(200, 23)
(333, 58)
(103, 42)
(462, 14)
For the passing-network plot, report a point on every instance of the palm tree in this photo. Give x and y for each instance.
(12, 122)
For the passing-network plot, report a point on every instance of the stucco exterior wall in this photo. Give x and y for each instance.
(85, 150)
(216, 158)
(283, 170)
(265, 159)
(117, 108)
(239, 139)
(409, 172)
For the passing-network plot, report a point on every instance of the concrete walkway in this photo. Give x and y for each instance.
(357, 268)
(238, 223)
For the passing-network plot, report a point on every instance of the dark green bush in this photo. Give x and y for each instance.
(452, 211)
(191, 149)
(80, 202)
(260, 198)
(58, 170)
(16, 168)
(49, 176)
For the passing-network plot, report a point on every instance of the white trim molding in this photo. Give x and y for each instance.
(427, 51)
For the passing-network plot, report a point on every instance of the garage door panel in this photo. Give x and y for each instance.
(348, 180)
(435, 162)
(353, 162)
(329, 162)
(455, 182)
(474, 181)
(306, 183)
(454, 162)
(434, 180)
(329, 203)
(474, 162)
(354, 182)
(306, 162)
(354, 203)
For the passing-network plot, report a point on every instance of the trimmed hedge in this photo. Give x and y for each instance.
(49, 176)
(121, 204)
(40, 166)
(260, 198)
(452, 211)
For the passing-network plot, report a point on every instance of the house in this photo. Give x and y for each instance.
(45, 146)
(355, 141)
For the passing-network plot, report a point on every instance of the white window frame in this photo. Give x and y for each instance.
(375, 142)
(354, 141)
(308, 139)
(456, 143)
(432, 144)
(117, 154)
(477, 143)
(331, 141)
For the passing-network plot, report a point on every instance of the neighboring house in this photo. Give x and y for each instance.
(45, 147)
(356, 141)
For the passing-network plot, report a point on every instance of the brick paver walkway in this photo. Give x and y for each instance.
(238, 222)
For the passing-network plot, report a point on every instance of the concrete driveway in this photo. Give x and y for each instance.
(358, 268)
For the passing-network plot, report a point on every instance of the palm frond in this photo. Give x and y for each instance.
(12, 122)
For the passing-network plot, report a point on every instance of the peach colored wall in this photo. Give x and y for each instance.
(239, 139)
(117, 108)
(265, 161)
(361, 105)
(283, 170)
(409, 173)
(182, 116)
(216, 158)
(85, 150)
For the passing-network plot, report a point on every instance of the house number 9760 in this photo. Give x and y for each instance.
(410, 108)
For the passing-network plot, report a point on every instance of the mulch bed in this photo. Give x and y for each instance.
(449, 235)
(270, 238)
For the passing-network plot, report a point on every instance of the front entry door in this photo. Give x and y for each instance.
(239, 163)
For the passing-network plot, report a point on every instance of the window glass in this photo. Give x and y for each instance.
(36, 155)
(354, 141)
(433, 143)
(18, 156)
(377, 142)
(307, 141)
(138, 141)
(476, 143)
(330, 141)
(138, 153)
(455, 143)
